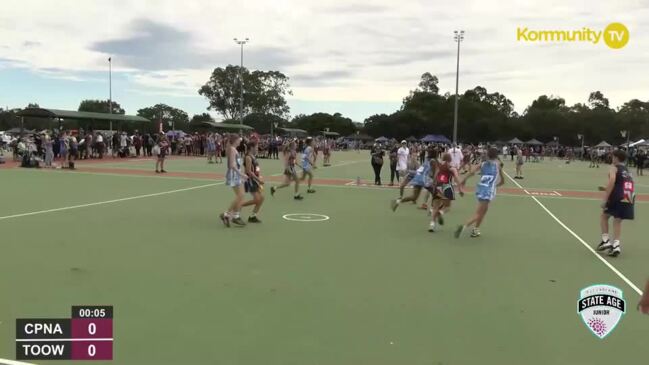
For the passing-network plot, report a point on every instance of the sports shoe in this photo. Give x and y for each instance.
(253, 219)
(615, 251)
(163, 171)
(272, 191)
(432, 227)
(298, 197)
(604, 245)
(310, 191)
(424, 206)
(394, 204)
(475, 233)
(458, 231)
(440, 219)
(225, 219)
(238, 221)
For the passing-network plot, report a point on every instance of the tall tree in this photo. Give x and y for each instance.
(597, 100)
(428, 83)
(100, 106)
(263, 92)
(167, 114)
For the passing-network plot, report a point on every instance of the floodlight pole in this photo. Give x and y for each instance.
(458, 37)
(110, 91)
(241, 43)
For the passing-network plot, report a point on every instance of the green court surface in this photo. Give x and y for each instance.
(366, 286)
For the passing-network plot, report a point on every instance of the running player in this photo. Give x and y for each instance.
(254, 184)
(411, 170)
(289, 154)
(491, 176)
(619, 198)
(234, 179)
(423, 179)
(308, 164)
(444, 193)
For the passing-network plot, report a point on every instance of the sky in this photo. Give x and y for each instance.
(358, 58)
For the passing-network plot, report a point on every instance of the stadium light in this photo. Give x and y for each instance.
(458, 37)
(241, 43)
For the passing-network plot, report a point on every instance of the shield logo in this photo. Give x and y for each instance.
(601, 307)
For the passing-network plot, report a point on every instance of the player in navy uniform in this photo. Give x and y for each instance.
(444, 193)
(290, 157)
(619, 199)
(254, 184)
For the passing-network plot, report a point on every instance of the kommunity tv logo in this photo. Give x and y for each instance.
(615, 35)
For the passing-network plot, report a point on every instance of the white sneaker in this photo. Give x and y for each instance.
(432, 227)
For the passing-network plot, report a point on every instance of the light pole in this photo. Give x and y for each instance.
(458, 37)
(110, 91)
(241, 43)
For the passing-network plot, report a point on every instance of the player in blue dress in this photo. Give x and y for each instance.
(423, 179)
(234, 178)
(491, 177)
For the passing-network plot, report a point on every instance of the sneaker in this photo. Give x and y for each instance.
(432, 227)
(475, 233)
(238, 221)
(604, 245)
(157, 171)
(298, 197)
(163, 171)
(225, 219)
(394, 204)
(253, 219)
(310, 191)
(440, 219)
(272, 191)
(458, 231)
(615, 251)
(424, 206)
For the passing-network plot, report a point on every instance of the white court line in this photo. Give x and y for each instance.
(14, 362)
(608, 264)
(556, 192)
(107, 201)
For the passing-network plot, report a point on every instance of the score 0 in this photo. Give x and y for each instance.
(92, 332)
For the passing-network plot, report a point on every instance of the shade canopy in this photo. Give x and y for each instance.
(294, 132)
(411, 139)
(435, 138)
(534, 142)
(515, 141)
(71, 114)
(381, 139)
(330, 134)
(603, 144)
(229, 127)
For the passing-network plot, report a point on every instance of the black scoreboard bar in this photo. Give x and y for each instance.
(87, 335)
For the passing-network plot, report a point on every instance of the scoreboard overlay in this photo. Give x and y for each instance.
(86, 335)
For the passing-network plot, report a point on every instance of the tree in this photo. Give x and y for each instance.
(197, 119)
(171, 116)
(597, 100)
(316, 123)
(263, 92)
(428, 83)
(262, 122)
(33, 105)
(100, 106)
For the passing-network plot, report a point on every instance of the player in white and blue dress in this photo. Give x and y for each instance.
(423, 179)
(308, 164)
(491, 176)
(234, 179)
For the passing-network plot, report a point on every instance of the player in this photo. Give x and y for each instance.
(491, 176)
(326, 153)
(519, 164)
(308, 164)
(254, 184)
(444, 193)
(234, 179)
(411, 170)
(423, 179)
(619, 200)
(290, 157)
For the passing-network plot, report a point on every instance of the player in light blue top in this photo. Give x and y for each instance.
(491, 176)
(308, 164)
